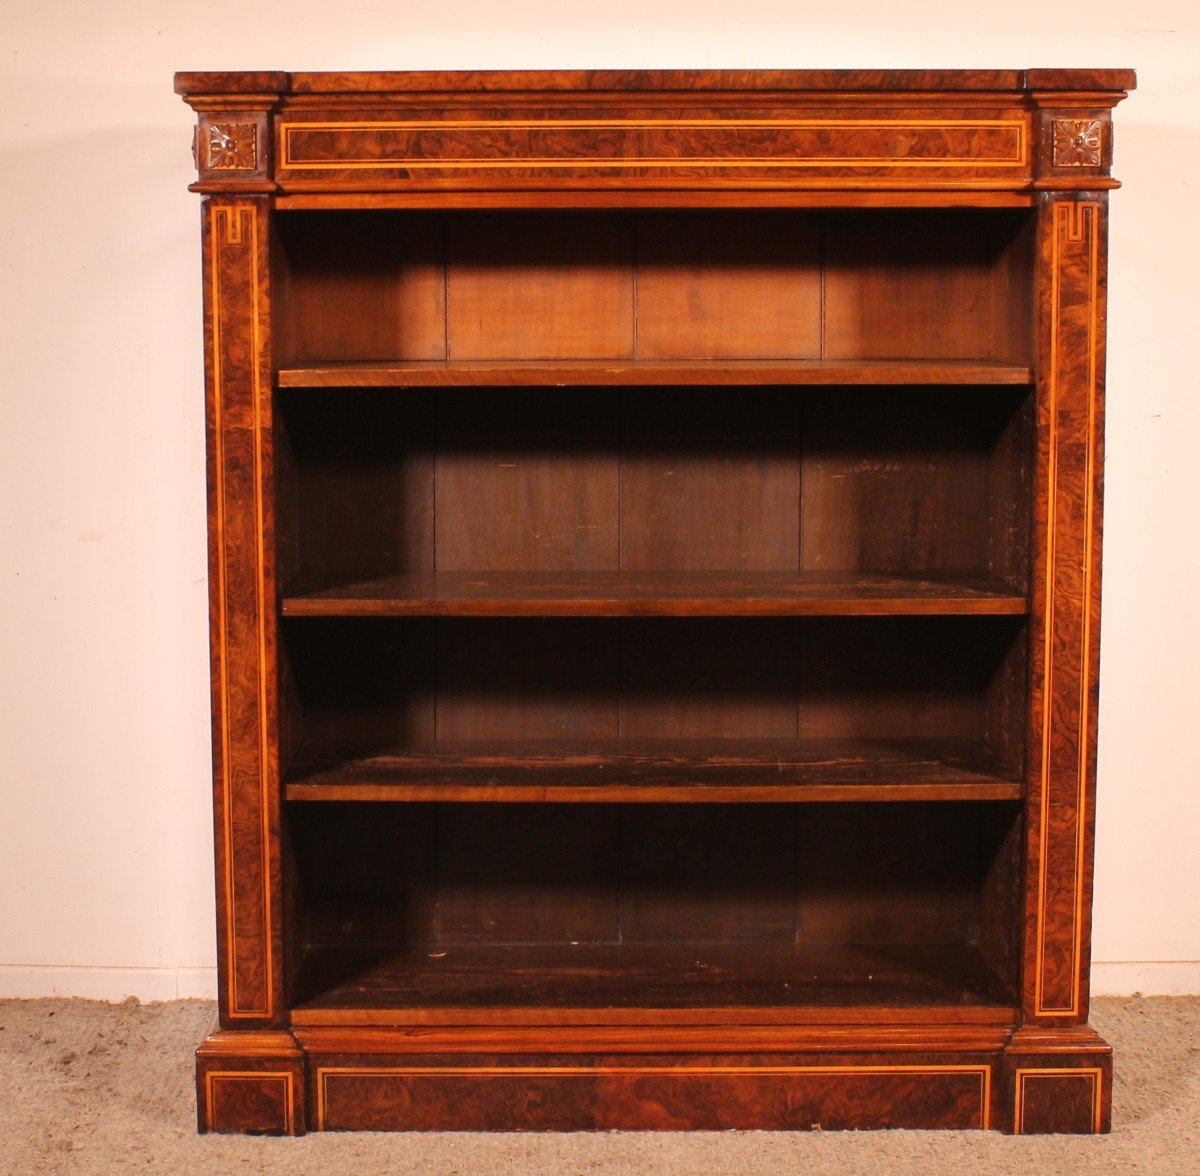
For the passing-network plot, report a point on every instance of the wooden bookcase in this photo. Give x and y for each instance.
(654, 534)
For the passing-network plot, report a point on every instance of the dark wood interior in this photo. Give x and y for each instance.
(920, 483)
(621, 905)
(642, 702)
(793, 591)
(654, 286)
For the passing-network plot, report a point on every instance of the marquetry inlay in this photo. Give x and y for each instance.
(983, 1073)
(236, 324)
(1074, 319)
(231, 1079)
(1092, 1075)
(722, 143)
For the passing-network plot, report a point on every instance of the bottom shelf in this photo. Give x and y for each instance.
(615, 984)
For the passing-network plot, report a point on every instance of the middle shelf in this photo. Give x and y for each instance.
(627, 594)
(672, 771)
(605, 709)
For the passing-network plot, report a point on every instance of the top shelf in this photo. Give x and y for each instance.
(643, 373)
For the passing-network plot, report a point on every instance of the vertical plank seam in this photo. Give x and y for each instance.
(822, 233)
(634, 227)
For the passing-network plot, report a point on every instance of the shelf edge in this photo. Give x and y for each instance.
(653, 794)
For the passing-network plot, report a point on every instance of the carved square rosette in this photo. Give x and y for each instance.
(1075, 144)
(231, 148)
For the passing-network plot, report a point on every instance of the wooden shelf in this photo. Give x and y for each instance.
(647, 373)
(626, 594)
(615, 984)
(717, 770)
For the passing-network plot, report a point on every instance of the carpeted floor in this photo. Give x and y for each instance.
(97, 1088)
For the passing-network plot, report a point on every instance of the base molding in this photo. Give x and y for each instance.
(1058, 1082)
(1030, 1081)
(251, 1082)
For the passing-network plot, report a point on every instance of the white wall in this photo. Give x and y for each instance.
(105, 845)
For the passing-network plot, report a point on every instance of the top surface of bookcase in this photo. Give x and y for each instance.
(646, 137)
(280, 82)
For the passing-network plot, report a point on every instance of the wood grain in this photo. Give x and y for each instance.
(351, 296)
(780, 197)
(711, 285)
(1066, 601)
(750, 373)
(617, 594)
(905, 482)
(505, 503)
(241, 606)
(655, 1098)
(1057, 1081)
(676, 772)
(560, 287)
(551, 883)
(519, 980)
(619, 81)
(250, 1082)
(706, 486)
(901, 296)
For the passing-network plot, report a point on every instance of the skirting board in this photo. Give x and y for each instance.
(113, 984)
(1148, 977)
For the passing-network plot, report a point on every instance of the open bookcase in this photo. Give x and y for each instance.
(655, 578)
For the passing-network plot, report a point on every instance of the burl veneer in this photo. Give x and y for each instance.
(654, 548)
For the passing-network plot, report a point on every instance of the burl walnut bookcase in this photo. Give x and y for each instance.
(655, 571)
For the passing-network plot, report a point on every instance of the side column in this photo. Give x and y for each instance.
(242, 610)
(247, 1080)
(1058, 1072)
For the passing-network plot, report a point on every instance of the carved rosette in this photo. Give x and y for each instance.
(232, 147)
(1077, 142)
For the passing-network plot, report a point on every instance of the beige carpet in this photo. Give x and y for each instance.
(96, 1088)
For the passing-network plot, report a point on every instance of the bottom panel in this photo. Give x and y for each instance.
(655, 1078)
(660, 1095)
